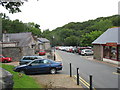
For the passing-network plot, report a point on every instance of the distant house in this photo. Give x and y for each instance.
(44, 44)
(19, 44)
(107, 46)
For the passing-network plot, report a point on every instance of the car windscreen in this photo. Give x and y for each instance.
(29, 58)
(88, 51)
(42, 51)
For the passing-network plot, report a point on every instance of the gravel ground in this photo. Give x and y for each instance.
(56, 81)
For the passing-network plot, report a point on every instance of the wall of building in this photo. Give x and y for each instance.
(47, 46)
(26, 51)
(17, 52)
(14, 52)
(98, 52)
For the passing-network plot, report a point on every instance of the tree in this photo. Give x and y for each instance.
(71, 41)
(34, 28)
(88, 38)
(12, 7)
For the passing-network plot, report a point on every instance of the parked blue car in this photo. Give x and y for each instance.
(39, 66)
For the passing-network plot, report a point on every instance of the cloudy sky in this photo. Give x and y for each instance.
(50, 14)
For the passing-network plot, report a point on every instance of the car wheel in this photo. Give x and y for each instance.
(85, 54)
(53, 71)
(23, 72)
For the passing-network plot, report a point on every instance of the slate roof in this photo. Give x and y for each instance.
(43, 40)
(23, 39)
(112, 35)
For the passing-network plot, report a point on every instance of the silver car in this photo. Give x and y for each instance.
(27, 59)
(86, 52)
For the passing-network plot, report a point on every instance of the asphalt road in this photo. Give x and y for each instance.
(104, 76)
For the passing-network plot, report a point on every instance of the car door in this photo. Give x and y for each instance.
(39, 66)
(44, 66)
(33, 67)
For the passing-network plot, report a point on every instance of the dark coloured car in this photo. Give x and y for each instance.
(27, 59)
(5, 59)
(40, 66)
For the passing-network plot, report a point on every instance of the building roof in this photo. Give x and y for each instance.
(43, 40)
(112, 35)
(23, 39)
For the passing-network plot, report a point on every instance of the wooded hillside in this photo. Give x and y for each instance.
(81, 33)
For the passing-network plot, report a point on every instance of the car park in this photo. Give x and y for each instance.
(42, 52)
(5, 59)
(39, 66)
(27, 59)
(86, 52)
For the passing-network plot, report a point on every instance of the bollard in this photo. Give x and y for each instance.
(70, 70)
(54, 57)
(91, 82)
(77, 76)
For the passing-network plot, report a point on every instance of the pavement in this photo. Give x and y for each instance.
(100, 61)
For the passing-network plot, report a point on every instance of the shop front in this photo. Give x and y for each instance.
(111, 51)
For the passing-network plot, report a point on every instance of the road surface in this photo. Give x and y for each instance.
(104, 75)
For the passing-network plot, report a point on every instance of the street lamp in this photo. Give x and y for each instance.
(54, 49)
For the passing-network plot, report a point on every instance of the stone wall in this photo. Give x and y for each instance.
(14, 52)
(6, 80)
(98, 52)
(26, 51)
(17, 52)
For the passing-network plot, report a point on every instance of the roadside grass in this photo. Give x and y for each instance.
(21, 80)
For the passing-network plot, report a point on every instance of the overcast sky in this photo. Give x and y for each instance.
(50, 14)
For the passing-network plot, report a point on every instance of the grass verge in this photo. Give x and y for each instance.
(21, 80)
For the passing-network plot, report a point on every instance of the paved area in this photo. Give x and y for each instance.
(108, 63)
(56, 81)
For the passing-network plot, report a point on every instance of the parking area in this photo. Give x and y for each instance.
(53, 80)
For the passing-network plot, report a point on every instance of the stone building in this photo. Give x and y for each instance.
(16, 45)
(44, 44)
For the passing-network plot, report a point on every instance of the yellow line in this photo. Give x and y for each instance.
(84, 82)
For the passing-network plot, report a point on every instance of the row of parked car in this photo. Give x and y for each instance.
(79, 50)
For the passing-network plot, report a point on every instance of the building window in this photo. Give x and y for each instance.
(110, 52)
(106, 52)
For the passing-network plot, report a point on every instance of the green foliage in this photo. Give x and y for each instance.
(12, 7)
(71, 41)
(17, 26)
(90, 37)
(21, 80)
(82, 33)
